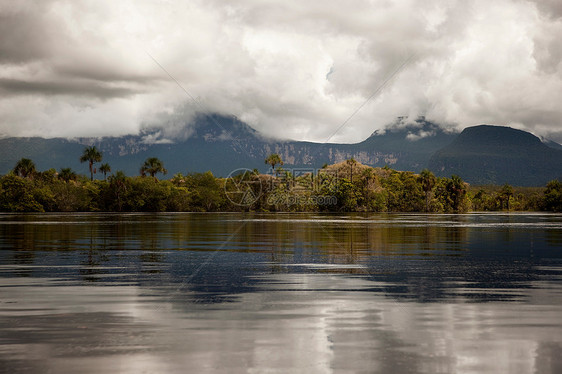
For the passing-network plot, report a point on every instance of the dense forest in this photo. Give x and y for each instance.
(344, 187)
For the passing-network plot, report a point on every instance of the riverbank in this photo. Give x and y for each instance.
(343, 187)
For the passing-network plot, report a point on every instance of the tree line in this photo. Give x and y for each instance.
(344, 187)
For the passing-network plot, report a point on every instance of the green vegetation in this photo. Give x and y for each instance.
(92, 155)
(153, 166)
(553, 196)
(344, 187)
(427, 181)
(105, 168)
(273, 159)
(25, 168)
(67, 175)
(507, 198)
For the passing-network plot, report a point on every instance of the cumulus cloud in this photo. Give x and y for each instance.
(289, 68)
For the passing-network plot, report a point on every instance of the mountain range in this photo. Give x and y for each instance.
(496, 155)
(480, 154)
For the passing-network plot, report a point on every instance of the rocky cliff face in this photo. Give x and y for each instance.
(224, 144)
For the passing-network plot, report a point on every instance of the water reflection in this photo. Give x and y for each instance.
(421, 256)
(280, 293)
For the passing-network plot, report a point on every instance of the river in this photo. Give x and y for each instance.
(280, 293)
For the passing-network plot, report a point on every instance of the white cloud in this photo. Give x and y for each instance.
(289, 68)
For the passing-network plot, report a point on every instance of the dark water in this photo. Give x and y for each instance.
(280, 293)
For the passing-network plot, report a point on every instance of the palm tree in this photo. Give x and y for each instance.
(369, 179)
(105, 168)
(506, 193)
(368, 176)
(351, 162)
(25, 168)
(152, 166)
(457, 190)
(118, 184)
(273, 159)
(92, 155)
(67, 174)
(427, 181)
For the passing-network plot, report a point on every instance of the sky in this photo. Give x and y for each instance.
(306, 70)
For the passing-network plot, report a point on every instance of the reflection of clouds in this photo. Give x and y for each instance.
(298, 323)
(313, 323)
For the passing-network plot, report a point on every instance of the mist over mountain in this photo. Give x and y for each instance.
(222, 144)
(482, 154)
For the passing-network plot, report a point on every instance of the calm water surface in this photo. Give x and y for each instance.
(280, 293)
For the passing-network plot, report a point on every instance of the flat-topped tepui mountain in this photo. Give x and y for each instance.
(496, 155)
(221, 145)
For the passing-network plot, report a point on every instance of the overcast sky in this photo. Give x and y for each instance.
(294, 69)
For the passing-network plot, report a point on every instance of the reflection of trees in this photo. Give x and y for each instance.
(354, 242)
(299, 238)
(150, 262)
(332, 241)
(91, 266)
(418, 254)
(95, 256)
(554, 237)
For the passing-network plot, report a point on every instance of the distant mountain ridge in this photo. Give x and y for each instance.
(496, 155)
(222, 144)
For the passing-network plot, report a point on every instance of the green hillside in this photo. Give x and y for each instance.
(498, 155)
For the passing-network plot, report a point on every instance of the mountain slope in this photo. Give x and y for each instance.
(496, 155)
(221, 144)
(410, 144)
(480, 155)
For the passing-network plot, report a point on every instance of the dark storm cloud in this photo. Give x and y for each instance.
(103, 73)
(25, 36)
(550, 8)
(88, 89)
